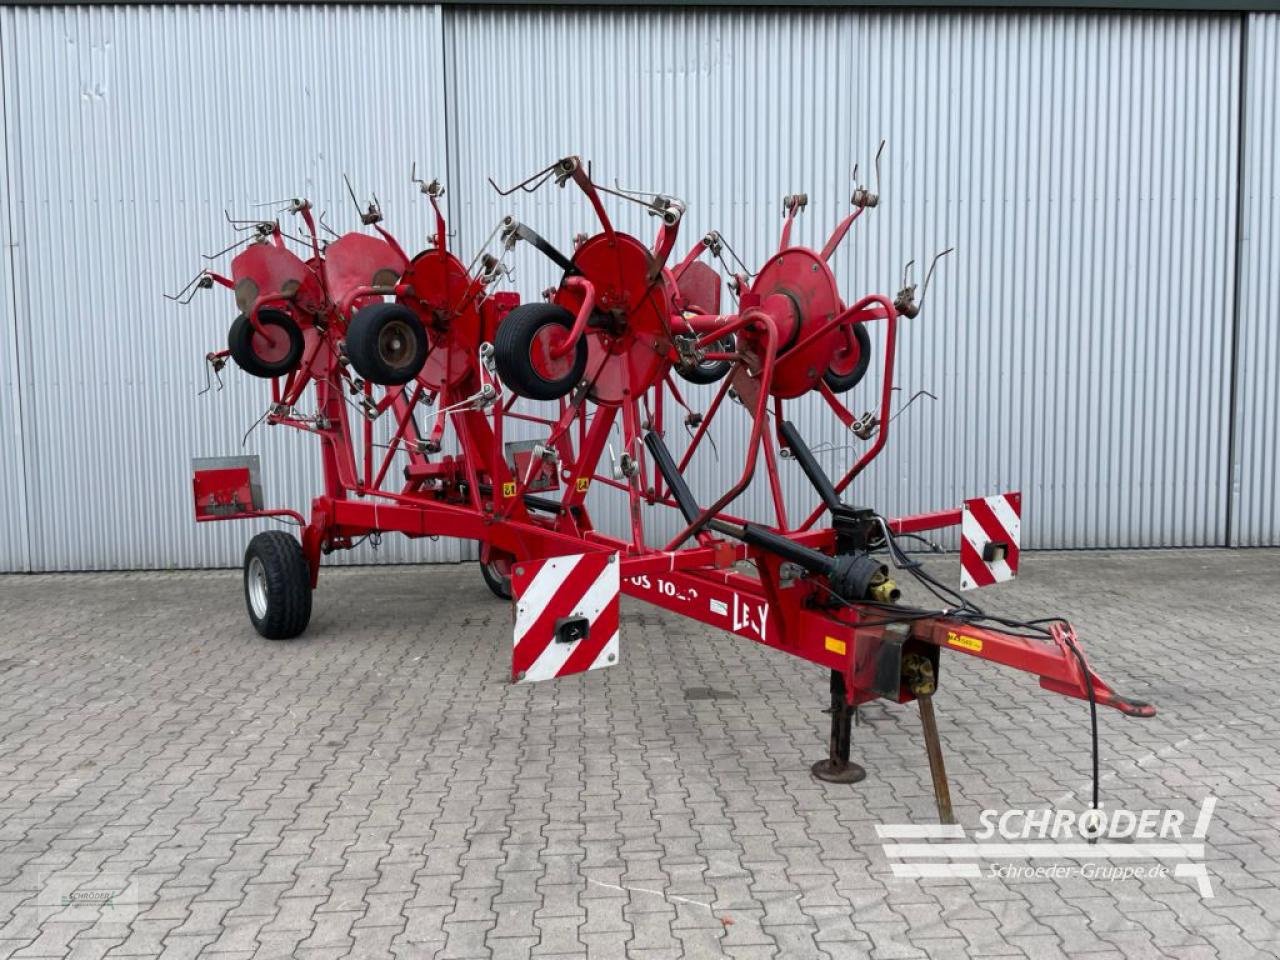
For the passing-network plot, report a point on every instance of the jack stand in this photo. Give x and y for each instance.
(918, 672)
(837, 768)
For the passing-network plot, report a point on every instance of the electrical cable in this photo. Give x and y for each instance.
(969, 612)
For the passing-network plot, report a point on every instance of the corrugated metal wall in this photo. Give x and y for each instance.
(1256, 497)
(1084, 165)
(13, 515)
(132, 129)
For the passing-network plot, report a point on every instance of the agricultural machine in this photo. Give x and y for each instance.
(421, 372)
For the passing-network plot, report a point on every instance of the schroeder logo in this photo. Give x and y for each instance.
(1014, 844)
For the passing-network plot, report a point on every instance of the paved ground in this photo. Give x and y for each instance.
(377, 788)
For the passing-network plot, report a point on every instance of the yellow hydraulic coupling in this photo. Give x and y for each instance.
(884, 590)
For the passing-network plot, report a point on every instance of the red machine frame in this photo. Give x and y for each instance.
(643, 319)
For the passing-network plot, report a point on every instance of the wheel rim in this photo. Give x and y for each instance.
(396, 345)
(548, 338)
(256, 581)
(845, 360)
(273, 345)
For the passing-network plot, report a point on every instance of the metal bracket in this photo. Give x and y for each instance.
(862, 195)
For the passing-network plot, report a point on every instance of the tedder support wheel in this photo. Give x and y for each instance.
(709, 371)
(847, 370)
(387, 344)
(277, 585)
(497, 576)
(522, 351)
(270, 355)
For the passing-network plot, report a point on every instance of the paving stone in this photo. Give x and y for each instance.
(377, 789)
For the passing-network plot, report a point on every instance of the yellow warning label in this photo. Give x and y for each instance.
(836, 646)
(967, 643)
(509, 489)
(583, 483)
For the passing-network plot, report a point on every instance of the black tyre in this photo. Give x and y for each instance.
(522, 351)
(386, 344)
(497, 576)
(277, 585)
(709, 371)
(271, 355)
(846, 375)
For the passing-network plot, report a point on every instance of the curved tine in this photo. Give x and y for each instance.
(733, 253)
(636, 197)
(177, 297)
(325, 226)
(242, 226)
(223, 252)
(542, 176)
(201, 281)
(929, 276)
(914, 397)
(352, 191)
(534, 187)
(906, 270)
(298, 238)
(211, 372)
(273, 203)
(617, 186)
(875, 165)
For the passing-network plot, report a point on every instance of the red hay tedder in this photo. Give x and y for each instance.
(424, 345)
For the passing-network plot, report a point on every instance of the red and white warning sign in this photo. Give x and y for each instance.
(990, 529)
(566, 615)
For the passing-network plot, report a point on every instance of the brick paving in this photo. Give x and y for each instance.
(378, 789)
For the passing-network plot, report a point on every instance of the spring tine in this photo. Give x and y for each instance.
(351, 190)
(619, 188)
(737, 259)
(658, 203)
(325, 226)
(234, 246)
(274, 203)
(542, 176)
(913, 398)
(261, 227)
(210, 367)
(201, 281)
(929, 275)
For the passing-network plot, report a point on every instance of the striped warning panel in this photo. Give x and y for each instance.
(566, 615)
(990, 531)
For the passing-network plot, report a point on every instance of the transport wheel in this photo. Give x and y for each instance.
(269, 354)
(522, 351)
(277, 585)
(848, 367)
(709, 371)
(386, 344)
(497, 575)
